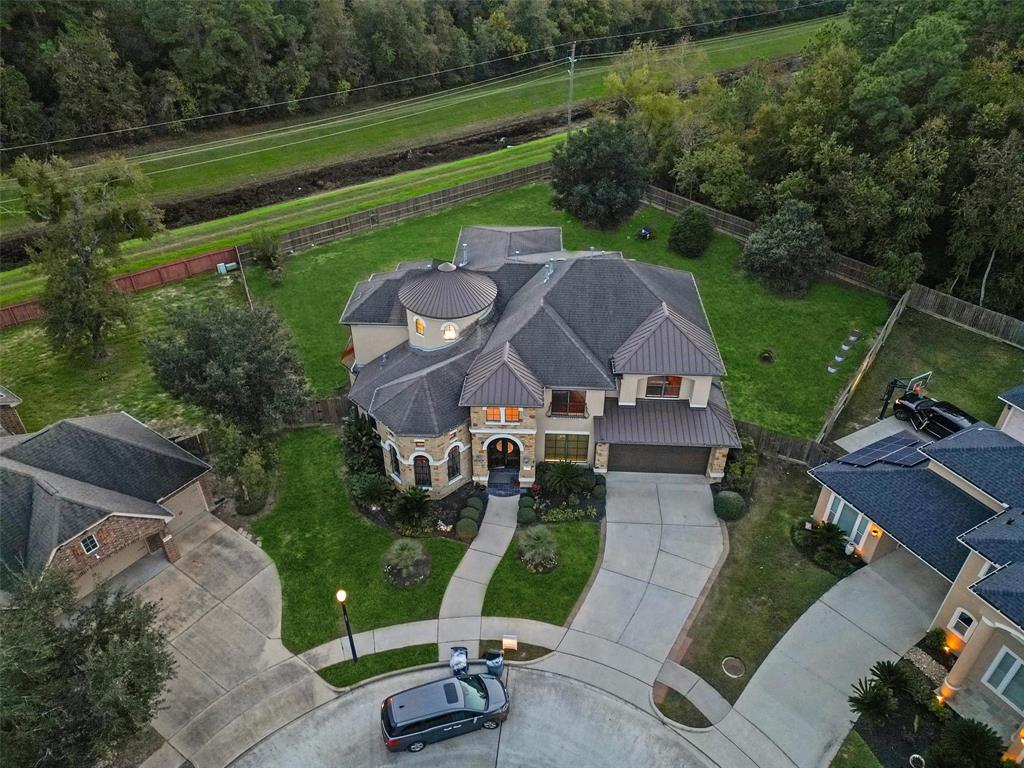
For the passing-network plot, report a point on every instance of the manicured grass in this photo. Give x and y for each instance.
(764, 585)
(515, 592)
(351, 672)
(319, 545)
(791, 395)
(969, 369)
(56, 385)
(228, 159)
(682, 710)
(854, 753)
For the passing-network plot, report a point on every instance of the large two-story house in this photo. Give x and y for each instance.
(958, 505)
(517, 351)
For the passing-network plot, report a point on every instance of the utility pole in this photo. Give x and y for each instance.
(572, 73)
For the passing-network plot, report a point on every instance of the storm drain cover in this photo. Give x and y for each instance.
(733, 667)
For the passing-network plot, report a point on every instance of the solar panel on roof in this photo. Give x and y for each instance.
(906, 457)
(885, 447)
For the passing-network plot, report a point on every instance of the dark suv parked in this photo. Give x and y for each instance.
(442, 709)
(938, 419)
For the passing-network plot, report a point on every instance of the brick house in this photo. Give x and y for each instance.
(517, 351)
(93, 495)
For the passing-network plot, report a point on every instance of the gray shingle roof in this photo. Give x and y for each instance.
(447, 292)
(667, 422)
(8, 398)
(1004, 591)
(914, 504)
(500, 377)
(987, 458)
(374, 301)
(1014, 396)
(666, 342)
(1000, 539)
(489, 247)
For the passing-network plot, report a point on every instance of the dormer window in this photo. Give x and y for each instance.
(89, 544)
(664, 386)
(421, 328)
(449, 332)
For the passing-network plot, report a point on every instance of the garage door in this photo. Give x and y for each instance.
(658, 458)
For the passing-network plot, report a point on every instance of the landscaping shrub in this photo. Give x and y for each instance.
(526, 516)
(563, 478)
(833, 562)
(470, 513)
(475, 502)
(691, 233)
(466, 529)
(826, 536)
(967, 743)
(411, 507)
(526, 501)
(569, 513)
(253, 483)
(360, 445)
(266, 249)
(406, 562)
(601, 479)
(934, 640)
(729, 506)
(600, 491)
(891, 675)
(741, 468)
(789, 251)
(872, 698)
(589, 481)
(369, 489)
(538, 550)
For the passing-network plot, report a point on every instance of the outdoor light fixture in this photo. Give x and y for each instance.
(342, 597)
(876, 532)
(509, 643)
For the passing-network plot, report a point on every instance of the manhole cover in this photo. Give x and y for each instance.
(733, 667)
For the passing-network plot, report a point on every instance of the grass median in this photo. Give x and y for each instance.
(349, 673)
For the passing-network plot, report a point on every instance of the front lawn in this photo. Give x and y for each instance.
(791, 395)
(969, 369)
(515, 592)
(320, 545)
(855, 753)
(351, 672)
(679, 708)
(765, 583)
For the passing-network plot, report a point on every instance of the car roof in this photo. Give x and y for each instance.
(427, 700)
(951, 410)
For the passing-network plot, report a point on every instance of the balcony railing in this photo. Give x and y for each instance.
(572, 412)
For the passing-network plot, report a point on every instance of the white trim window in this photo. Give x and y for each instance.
(1006, 677)
(853, 523)
(509, 414)
(962, 623)
(89, 544)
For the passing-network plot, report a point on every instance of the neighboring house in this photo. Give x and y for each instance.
(518, 352)
(10, 421)
(93, 495)
(958, 504)
(1011, 420)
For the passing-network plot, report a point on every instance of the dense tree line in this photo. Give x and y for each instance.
(75, 67)
(903, 131)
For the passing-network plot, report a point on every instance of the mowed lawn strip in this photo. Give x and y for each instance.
(791, 395)
(765, 584)
(515, 592)
(319, 545)
(855, 753)
(351, 672)
(969, 369)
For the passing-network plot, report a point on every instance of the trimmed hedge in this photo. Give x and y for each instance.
(691, 233)
(600, 491)
(526, 501)
(729, 506)
(466, 529)
(526, 515)
(470, 513)
(475, 502)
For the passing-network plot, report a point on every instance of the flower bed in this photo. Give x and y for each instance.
(568, 493)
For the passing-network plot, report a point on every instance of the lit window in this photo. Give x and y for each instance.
(664, 386)
(454, 463)
(558, 447)
(568, 402)
(962, 623)
(420, 327)
(512, 415)
(449, 332)
(493, 413)
(89, 544)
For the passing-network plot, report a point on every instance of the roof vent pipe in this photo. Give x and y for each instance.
(549, 270)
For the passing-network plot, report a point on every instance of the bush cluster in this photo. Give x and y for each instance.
(729, 506)
(827, 543)
(691, 233)
(466, 529)
(568, 513)
(537, 549)
(266, 249)
(406, 562)
(741, 468)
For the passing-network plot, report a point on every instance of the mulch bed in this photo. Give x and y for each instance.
(446, 510)
(912, 730)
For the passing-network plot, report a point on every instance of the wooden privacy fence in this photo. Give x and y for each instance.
(802, 449)
(324, 410)
(720, 220)
(971, 315)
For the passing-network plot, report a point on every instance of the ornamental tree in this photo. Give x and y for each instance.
(789, 250)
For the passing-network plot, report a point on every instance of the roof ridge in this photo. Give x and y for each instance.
(575, 339)
(134, 443)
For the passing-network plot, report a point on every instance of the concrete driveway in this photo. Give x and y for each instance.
(798, 696)
(555, 721)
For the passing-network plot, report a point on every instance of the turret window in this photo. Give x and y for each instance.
(421, 328)
(449, 332)
(454, 463)
(421, 471)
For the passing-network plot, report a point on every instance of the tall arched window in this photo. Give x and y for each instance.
(421, 471)
(454, 463)
(420, 327)
(396, 467)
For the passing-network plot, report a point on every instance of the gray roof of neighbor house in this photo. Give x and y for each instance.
(1014, 396)
(446, 291)
(1003, 589)
(667, 422)
(986, 457)
(67, 477)
(919, 508)
(666, 342)
(484, 247)
(999, 539)
(8, 398)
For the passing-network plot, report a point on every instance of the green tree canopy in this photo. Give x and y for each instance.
(789, 250)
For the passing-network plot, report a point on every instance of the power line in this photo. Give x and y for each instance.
(411, 78)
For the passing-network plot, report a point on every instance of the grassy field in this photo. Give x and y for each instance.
(791, 395)
(188, 169)
(320, 545)
(513, 591)
(351, 672)
(764, 585)
(855, 753)
(970, 370)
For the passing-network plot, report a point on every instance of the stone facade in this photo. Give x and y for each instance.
(114, 534)
(601, 458)
(11, 421)
(522, 432)
(716, 463)
(436, 450)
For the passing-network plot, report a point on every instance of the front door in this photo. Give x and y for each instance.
(503, 454)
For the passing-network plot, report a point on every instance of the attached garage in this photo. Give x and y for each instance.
(658, 458)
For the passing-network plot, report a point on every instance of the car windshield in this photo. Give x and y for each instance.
(475, 692)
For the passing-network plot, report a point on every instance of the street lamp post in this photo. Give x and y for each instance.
(342, 596)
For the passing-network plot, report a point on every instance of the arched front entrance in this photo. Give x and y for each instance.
(503, 453)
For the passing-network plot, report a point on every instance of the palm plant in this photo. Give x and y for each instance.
(872, 698)
(537, 549)
(411, 506)
(564, 478)
(827, 536)
(890, 674)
